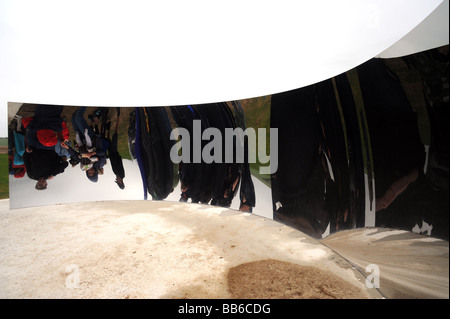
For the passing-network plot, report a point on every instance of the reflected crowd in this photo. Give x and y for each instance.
(216, 183)
(41, 145)
(52, 137)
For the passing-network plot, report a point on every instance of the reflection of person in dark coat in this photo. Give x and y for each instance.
(217, 182)
(42, 165)
(114, 156)
(46, 129)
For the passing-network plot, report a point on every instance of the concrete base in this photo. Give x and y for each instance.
(148, 249)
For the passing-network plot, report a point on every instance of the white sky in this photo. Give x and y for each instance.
(153, 53)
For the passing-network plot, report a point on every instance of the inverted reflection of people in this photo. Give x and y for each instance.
(74, 155)
(16, 148)
(114, 156)
(96, 159)
(298, 185)
(43, 165)
(156, 167)
(226, 175)
(195, 180)
(44, 157)
(247, 189)
(46, 130)
(84, 136)
(217, 182)
(101, 145)
(94, 119)
(405, 196)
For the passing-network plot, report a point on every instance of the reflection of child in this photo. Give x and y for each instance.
(72, 153)
(17, 149)
(87, 160)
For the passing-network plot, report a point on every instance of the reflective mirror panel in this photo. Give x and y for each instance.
(366, 148)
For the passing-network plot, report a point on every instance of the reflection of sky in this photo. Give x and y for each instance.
(73, 186)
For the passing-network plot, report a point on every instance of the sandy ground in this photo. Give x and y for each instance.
(142, 249)
(154, 250)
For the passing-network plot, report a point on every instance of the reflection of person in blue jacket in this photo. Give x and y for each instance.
(84, 134)
(94, 161)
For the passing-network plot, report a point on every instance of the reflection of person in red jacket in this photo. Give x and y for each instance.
(46, 130)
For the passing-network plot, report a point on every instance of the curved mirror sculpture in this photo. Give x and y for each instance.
(366, 148)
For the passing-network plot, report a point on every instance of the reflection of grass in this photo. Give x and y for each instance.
(257, 115)
(4, 176)
(265, 178)
(123, 148)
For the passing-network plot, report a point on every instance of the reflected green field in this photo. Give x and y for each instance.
(4, 176)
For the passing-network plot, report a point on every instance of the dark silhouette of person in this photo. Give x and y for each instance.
(43, 165)
(47, 129)
(114, 156)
